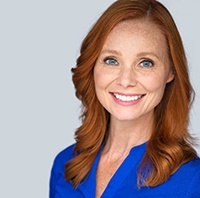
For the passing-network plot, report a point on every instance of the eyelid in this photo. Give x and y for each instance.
(110, 58)
(147, 60)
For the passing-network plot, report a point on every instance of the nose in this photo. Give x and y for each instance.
(127, 77)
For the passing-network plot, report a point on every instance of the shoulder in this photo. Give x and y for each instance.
(63, 156)
(66, 153)
(57, 170)
(190, 177)
(191, 166)
(190, 169)
(183, 183)
(194, 167)
(60, 160)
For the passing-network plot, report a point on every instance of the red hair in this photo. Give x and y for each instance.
(170, 144)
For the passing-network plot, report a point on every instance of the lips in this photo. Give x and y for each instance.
(127, 98)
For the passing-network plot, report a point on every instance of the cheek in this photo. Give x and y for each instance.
(98, 80)
(154, 83)
(101, 82)
(102, 78)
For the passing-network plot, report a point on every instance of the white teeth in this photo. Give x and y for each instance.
(127, 98)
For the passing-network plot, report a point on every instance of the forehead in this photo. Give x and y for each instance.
(143, 26)
(137, 32)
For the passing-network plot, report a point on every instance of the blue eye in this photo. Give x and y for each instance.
(146, 63)
(110, 61)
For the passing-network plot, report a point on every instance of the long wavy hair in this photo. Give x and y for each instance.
(170, 144)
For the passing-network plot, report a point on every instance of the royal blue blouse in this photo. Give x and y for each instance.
(185, 183)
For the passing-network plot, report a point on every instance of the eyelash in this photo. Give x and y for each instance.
(110, 59)
(147, 61)
(107, 59)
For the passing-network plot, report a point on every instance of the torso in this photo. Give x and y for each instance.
(183, 183)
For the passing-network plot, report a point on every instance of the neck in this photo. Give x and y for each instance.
(124, 135)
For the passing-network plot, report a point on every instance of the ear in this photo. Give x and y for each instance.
(170, 76)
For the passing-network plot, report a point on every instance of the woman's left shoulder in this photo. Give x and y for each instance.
(192, 165)
(191, 176)
(190, 169)
(187, 179)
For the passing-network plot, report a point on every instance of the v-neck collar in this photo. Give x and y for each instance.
(130, 162)
(88, 187)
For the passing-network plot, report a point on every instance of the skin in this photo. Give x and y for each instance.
(130, 76)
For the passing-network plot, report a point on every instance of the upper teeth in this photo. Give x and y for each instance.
(127, 98)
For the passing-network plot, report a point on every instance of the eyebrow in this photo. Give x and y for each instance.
(148, 54)
(109, 51)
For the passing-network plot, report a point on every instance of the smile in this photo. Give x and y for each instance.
(127, 98)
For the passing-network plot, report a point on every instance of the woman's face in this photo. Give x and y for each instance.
(132, 70)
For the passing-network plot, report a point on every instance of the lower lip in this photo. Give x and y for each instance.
(127, 103)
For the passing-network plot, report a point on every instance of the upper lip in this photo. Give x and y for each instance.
(127, 94)
(128, 97)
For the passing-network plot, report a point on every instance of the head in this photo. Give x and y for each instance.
(153, 12)
(132, 71)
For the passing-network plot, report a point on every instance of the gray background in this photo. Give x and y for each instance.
(39, 43)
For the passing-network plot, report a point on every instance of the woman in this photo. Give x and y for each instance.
(132, 79)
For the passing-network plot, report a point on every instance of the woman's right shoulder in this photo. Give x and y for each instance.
(64, 156)
(58, 168)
